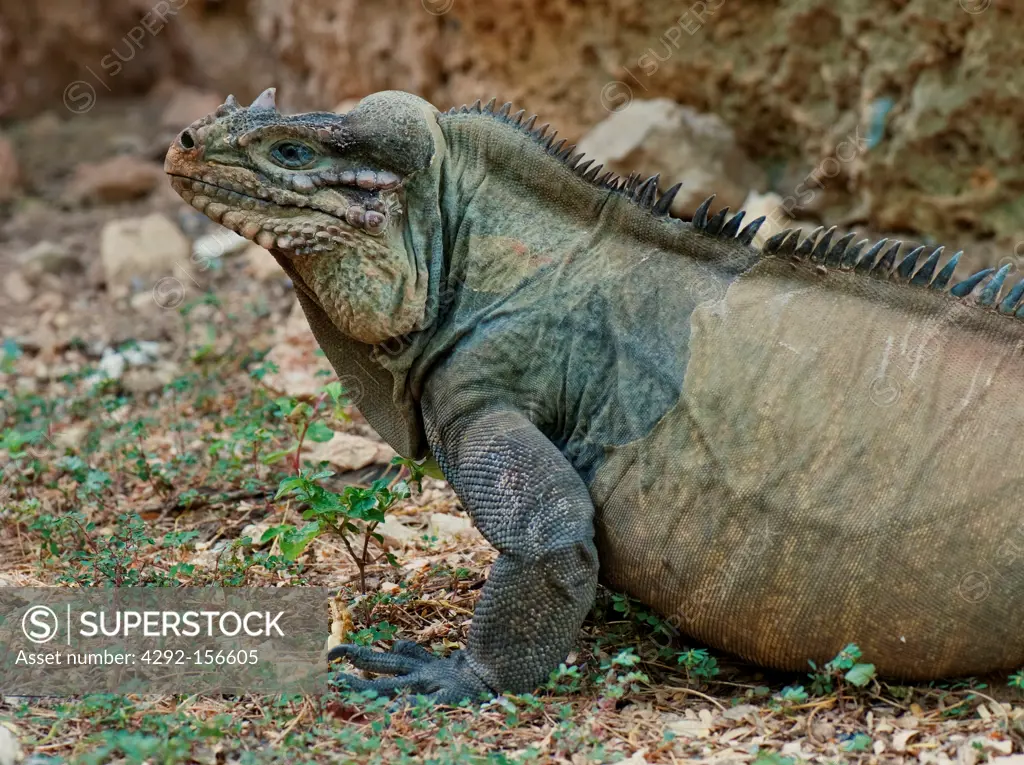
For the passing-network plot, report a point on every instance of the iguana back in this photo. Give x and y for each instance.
(841, 467)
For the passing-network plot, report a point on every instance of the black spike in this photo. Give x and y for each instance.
(906, 267)
(567, 152)
(453, 110)
(852, 255)
(573, 160)
(947, 272)
(604, 177)
(700, 215)
(591, 174)
(528, 125)
(888, 260)
(746, 236)
(732, 226)
(664, 203)
(539, 132)
(772, 244)
(835, 255)
(581, 168)
(714, 226)
(791, 243)
(1013, 297)
(505, 110)
(464, 109)
(476, 106)
(647, 192)
(821, 248)
(489, 108)
(991, 292)
(517, 118)
(805, 247)
(966, 286)
(924, 274)
(868, 261)
(551, 146)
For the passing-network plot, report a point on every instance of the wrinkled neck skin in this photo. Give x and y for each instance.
(374, 292)
(378, 291)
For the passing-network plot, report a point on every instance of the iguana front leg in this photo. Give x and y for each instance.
(535, 509)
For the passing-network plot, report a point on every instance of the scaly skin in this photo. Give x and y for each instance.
(725, 429)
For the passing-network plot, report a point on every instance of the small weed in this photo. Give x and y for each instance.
(619, 677)
(329, 512)
(844, 667)
(698, 664)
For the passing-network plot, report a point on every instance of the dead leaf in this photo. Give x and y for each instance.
(739, 711)
(899, 740)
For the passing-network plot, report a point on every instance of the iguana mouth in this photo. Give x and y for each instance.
(281, 220)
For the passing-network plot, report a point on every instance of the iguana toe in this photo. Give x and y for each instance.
(443, 681)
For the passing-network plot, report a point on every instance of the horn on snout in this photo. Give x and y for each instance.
(265, 100)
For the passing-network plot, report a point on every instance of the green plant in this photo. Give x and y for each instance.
(794, 694)
(113, 560)
(619, 677)
(845, 666)
(698, 663)
(336, 513)
(1016, 680)
(564, 680)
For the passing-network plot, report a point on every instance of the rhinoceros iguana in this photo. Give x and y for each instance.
(783, 449)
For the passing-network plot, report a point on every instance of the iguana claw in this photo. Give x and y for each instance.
(443, 681)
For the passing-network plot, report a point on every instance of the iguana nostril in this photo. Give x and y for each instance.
(187, 139)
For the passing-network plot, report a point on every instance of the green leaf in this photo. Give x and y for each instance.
(273, 457)
(274, 531)
(294, 541)
(860, 742)
(860, 674)
(795, 694)
(319, 433)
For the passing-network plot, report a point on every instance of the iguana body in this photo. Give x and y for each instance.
(784, 450)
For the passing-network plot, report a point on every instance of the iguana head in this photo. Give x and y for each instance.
(330, 194)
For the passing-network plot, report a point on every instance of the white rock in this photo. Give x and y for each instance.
(684, 145)
(446, 527)
(144, 352)
(17, 289)
(221, 242)
(138, 252)
(48, 257)
(10, 749)
(261, 264)
(346, 451)
(149, 379)
(396, 533)
(111, 366)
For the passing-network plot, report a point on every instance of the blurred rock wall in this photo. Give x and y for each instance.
(905, 114)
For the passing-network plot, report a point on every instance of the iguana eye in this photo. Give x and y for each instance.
(291, 154)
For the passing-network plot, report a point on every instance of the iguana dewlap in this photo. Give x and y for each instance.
(784, 450)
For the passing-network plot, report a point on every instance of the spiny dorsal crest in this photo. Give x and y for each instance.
(643, 192)
(882, 260)
(984, 286)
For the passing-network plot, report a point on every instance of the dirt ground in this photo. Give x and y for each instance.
(194, 433)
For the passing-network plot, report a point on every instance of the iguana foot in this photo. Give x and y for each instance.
(444, 681)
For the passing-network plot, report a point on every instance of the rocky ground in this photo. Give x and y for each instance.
(153, 365)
